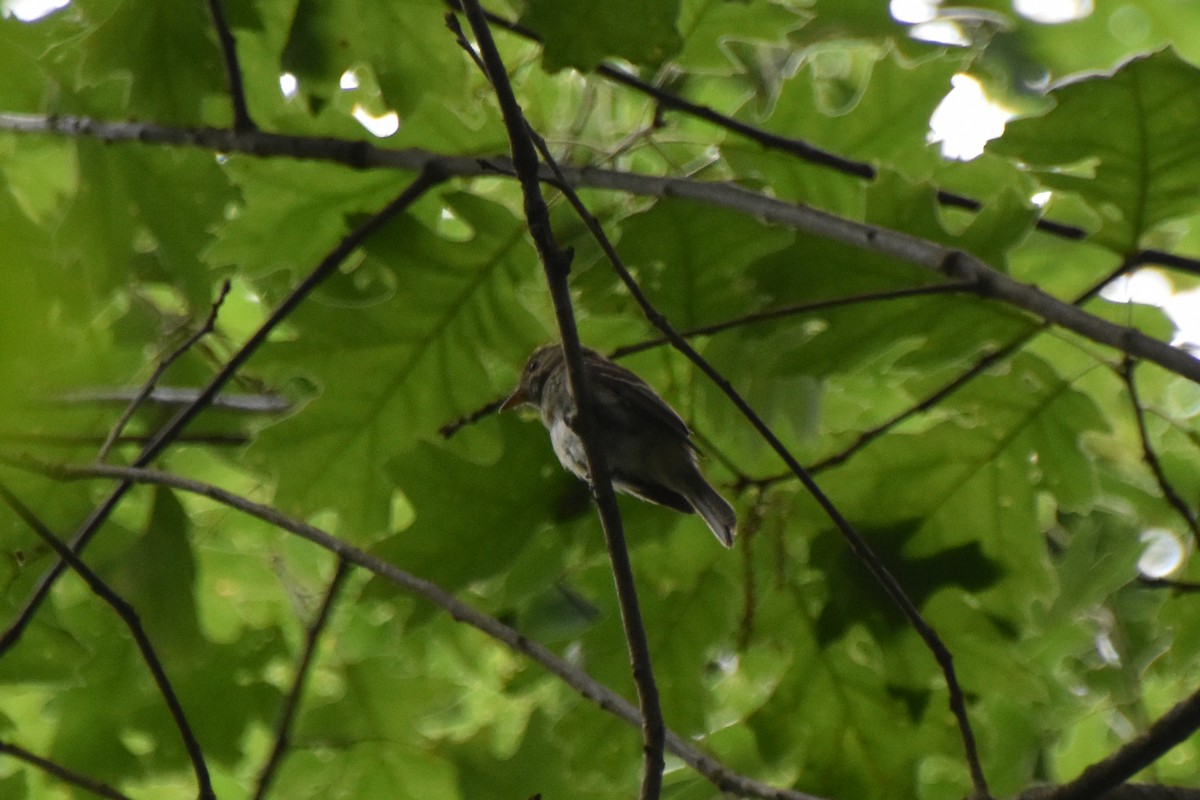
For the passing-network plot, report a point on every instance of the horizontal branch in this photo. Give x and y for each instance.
(987, 282)
(717, 773)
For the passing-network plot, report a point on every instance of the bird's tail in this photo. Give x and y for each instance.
(717, 513)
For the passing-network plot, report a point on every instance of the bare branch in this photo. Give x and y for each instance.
(233, 71)
(717, 773)
(1182, 587)
(168, 434)
(774, 141)
(982, 365)
(857, 543)
(793, 310)
(129, 616)
(177, 396)
(454, 426)
(1167, 731)
(148, 388)
(291, 703)
(1151, 457)
(556, 264)
(987, 282)
(79, 440)
(1126, 791)
(62, 773)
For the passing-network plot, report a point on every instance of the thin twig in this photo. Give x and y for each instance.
(291, 703)
(62, 773)
(129, 616)
(556, 264)
(588, 687)
(1151, 457)
(455, 425)
(177, 396)
(140, 397)
(1182, 587)
(168, 434)
(934, 398)
(794, 310)
(857, 543)
(83, 439)
(233, 72)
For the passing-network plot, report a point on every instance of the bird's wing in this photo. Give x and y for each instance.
(638, 395)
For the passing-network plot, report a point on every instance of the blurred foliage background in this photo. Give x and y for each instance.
(1016, 510)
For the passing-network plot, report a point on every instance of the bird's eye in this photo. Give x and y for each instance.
(533, 365)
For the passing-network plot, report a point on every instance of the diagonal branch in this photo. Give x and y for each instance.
(291, 703)
(129, 616)
(1151, 457)
(774, 141)
(1172, 728)
(62, 773)
(233, 71)
(148, 388)
(169, 433)
(792, 310)
(454, 426)
(556, 264)
(717, 773)
(857, 543)
(934, 398)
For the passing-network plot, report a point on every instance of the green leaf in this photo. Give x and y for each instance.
(451, 318)
(872, 106)
(1119, 141)
(405, 45)
(471, 524)
(163, 54)
(692, 260)
(582, 34)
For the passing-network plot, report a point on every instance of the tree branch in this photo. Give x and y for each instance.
(129, 616)
(242, 121)
(556, 264)
(1177, 586)
(931, 400)
(81, 439)
(423, 182)
(1126, 791)
(857, 543)
(588, 687)
(1151, 457)
(455, 425)
(987, 282)
(773, 141)
(291, 703)
(148, 388)
(62, 773)
(1167, 731)
(793, 310)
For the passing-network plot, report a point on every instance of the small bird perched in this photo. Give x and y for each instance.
(647, 445)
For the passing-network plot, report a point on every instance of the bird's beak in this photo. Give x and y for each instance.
(515, 399)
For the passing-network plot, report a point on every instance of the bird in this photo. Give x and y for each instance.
(647, 444)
